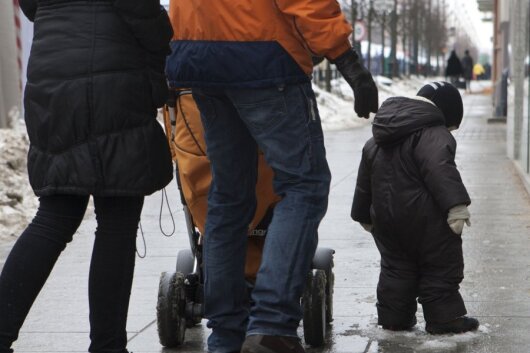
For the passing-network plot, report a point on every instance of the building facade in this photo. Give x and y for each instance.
(511, 76)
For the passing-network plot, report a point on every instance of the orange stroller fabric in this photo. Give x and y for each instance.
(188, 149)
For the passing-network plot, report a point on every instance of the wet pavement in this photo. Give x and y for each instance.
(496, 249)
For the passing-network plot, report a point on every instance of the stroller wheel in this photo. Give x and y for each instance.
(314, 306)
(185, 262)
(170, 316)
(323, 260)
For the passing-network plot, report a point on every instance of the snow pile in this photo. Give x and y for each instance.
(401, 87)
(336, 108)
(17, 201)
(336, 113)
(437, 346)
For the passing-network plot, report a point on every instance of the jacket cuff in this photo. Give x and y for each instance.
(360, 212)
(448, 204)
(338, 51)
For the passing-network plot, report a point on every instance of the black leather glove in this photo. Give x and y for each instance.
(361, 82)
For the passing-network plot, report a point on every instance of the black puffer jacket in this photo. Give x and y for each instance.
(407, 178)
(95, 79)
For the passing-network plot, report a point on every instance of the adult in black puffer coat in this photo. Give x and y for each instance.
(410, 195)
(454, 68)
(95, 79)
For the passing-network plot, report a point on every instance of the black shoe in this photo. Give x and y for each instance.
(272, 344)
(458, 325)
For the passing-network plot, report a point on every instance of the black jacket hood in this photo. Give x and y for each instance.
(399, 117)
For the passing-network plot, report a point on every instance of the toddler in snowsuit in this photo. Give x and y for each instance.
(410, 196)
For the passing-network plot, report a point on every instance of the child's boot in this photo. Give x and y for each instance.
(458, 325)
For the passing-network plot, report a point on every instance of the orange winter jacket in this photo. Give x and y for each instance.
(252, 43)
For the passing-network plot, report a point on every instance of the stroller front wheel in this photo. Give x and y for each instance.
(171, 320)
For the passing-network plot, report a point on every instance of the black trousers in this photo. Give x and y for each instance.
(111, 269)
(428, 269)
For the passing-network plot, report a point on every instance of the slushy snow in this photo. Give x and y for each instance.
(17, 201)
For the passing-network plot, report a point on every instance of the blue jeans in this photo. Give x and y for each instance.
(283, 122)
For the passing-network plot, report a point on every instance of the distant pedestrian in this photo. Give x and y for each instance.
(453, 70)
(467, 68)
(95, 78)
(410, 196)
(478, 71)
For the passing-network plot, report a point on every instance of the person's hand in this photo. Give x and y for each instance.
(361, 82)
(367, 227)
(456, 218)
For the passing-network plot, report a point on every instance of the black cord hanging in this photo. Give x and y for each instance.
(143, 239)
(164, 195)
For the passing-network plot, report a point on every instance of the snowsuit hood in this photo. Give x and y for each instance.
(399, 117)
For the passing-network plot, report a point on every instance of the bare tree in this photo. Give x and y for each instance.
(393, 40)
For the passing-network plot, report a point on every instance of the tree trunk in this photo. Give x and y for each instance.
(370, 14)
(383, 25)
(394, 39)
(415, 35)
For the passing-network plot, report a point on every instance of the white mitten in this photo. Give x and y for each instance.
(367, 227)
(456, 218)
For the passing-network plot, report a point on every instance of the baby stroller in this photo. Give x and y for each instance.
(180, 294)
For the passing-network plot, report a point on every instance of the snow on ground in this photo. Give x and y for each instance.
(336, 113)
(17, 201)
(416, 340)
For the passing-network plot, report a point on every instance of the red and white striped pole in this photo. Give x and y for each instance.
(16, 8)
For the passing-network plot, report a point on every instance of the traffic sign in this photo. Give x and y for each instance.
(359, 31)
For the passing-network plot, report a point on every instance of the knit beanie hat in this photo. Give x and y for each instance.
(447, 98)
